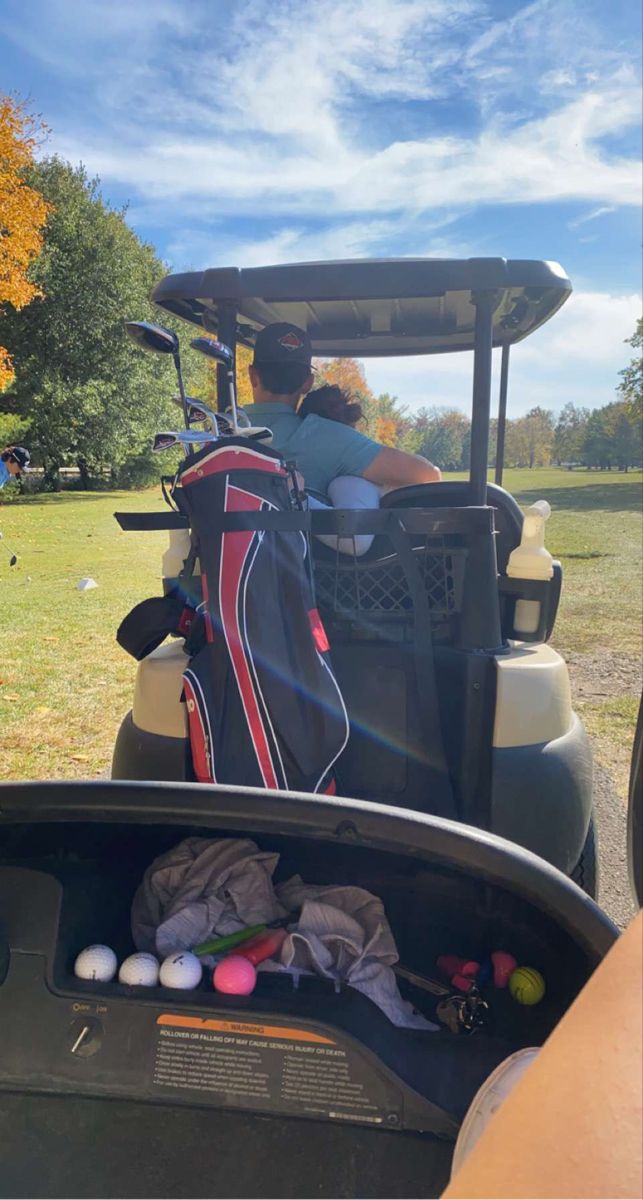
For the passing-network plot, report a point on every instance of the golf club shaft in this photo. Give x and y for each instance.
(12, 553)
(183, 438)
(184, 403)
(233, 398)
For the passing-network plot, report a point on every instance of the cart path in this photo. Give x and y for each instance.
(597, 678)
(604, 675)
(614, 894)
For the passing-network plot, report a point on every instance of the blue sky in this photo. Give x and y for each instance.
(248, 132)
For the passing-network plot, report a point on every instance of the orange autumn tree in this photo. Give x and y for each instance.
(244, 391)
(23, 213)
(346, 373)
(204, 385)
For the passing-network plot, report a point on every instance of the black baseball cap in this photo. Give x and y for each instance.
(283, 343)
(19, 455)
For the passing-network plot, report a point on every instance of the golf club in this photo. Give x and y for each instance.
(13, 558)
(222, 355)
(160, 340)
(198, 411)
(183, 438)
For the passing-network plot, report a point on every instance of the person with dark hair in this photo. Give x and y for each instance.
(346, 491)
(323, 450)
(331, 402)
(13, 461)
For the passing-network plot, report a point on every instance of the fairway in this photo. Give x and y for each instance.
(65, 684)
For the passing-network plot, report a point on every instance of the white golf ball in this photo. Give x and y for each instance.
(181, 970)
(139, 970)
(97, 963)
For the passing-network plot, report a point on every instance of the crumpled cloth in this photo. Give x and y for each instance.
(343, 934)
(201, 888)
(207, 887)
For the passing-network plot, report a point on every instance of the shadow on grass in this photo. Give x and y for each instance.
(58, 498)
(613, 497)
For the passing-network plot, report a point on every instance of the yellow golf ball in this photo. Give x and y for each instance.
(527, 985)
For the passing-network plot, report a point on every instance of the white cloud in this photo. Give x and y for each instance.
(558, 157)
(590, 328)
(81, 37)
(266, 106)
(603, 211)
(555, 81)
(352, 239)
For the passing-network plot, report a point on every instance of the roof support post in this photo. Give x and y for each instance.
(227, 333)
(485, 303)
(502, 414)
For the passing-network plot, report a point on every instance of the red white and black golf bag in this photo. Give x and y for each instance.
(264, 707)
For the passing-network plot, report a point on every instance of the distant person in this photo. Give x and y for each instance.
(322, 449)
(13, 461)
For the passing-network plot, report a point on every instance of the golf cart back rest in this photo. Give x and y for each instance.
(486, 733)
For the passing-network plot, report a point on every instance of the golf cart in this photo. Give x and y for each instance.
(458, 705)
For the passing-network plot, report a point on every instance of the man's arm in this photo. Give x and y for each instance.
(395, 468)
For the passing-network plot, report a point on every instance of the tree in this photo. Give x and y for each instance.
(23, 212)
(203, 381)
(443, 441)
(387, 420)
(597, 447)
(631, 387)
(415, 431)
(539, 428)
(243, 360)
(623, 437)
(13, 430)
(346, 373)
(529, 439)
(569, 434)
(90, 395)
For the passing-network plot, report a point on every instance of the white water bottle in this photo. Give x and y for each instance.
(531, 560)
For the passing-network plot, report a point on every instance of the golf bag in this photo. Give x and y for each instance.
(263, 706)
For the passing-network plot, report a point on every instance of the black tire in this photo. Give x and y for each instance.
(585, 873)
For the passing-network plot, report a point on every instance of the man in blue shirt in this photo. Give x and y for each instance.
(13, 460)
(280, 375)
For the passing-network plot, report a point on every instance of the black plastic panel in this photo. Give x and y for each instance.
(371, 308)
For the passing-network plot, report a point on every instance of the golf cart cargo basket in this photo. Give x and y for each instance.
(356, 588)
(442, 561)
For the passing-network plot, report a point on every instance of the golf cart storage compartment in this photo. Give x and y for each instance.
(71, 857)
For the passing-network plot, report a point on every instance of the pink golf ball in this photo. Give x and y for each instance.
(503, 966)
(235, 976)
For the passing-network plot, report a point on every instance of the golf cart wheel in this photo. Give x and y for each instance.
(585, 873)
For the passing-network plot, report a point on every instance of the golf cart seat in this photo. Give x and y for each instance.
(376, 583)
(455, 494)
(449, 494)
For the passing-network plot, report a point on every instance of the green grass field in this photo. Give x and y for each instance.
(65, 683)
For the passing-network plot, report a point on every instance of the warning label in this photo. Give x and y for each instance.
(272, 1069)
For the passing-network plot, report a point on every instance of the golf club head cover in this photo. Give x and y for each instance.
(150, 622)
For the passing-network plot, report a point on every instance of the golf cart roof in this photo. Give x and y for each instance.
(370, 308)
